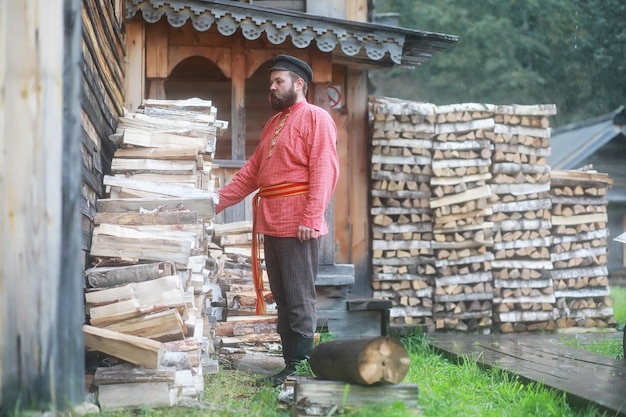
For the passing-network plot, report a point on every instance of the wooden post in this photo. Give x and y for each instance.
(238, 104)
(157, 59)
(322, 76)
(238, 70)
(352, 216)
(135, 64)
(41, 354)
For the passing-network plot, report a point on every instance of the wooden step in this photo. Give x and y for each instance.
(335, 274)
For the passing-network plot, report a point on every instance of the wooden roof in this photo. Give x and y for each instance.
(359, 43)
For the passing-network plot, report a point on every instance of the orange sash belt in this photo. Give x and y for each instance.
(287, 189)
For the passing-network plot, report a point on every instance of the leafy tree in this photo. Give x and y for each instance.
(567, 52)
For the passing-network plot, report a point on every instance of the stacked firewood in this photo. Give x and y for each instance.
(234, 270)
(461, 204)
(579, 251)
(400, 211)
(165, 142)
(239, 329)
(487, 209)
(148, 285)
(523, 296)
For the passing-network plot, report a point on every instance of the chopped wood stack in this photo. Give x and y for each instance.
(461, 204)
(145, 372)
(523, 295)
(166, 142)
(239, 328)
(233, 243)
(579, 251)
(484, 202)
(401, 216)
(150, 240)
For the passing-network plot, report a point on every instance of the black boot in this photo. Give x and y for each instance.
(301, 350)
(287, 340)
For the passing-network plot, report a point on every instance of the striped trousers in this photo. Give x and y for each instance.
(291, 269)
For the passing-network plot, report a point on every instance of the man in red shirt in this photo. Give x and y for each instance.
(295, 168)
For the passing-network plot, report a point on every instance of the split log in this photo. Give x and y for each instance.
(128, 374)
(104, 277)
(313, 397)
(140, 247)
(204, 206)
(162, 326)
(149, 218)
(137, 350)
(171, 153)
(150, 189)
(163, 294)
(133, 290)
(138, 395)
(361, 361)
(154, 166)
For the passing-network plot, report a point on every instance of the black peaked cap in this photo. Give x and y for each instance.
(290, 63)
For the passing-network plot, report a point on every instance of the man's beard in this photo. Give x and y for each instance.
(288, 100)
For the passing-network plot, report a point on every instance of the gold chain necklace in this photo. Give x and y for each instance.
(277, 132)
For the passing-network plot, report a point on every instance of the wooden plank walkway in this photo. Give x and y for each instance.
(584, 376)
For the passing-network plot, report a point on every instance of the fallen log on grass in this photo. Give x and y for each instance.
(361, 361)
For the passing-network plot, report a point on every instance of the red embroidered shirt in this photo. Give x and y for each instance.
(304, 152)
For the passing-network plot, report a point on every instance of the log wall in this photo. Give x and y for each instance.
(102, 100)
(471, 232)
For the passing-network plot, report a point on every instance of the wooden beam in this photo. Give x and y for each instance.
(135, 64)
(42, 356)
(238, 110)
(157, 50)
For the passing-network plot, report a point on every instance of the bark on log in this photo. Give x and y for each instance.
(361, 361)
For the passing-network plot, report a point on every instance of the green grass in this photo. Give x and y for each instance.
(610, 347)
(618, 294)
(448, 389)
(445, 389)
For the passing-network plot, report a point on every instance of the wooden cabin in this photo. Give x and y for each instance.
(67, 82)
(221, 51)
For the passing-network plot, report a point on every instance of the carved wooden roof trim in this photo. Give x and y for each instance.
(381, 44)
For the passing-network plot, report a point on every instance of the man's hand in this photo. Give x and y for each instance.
(305, 233)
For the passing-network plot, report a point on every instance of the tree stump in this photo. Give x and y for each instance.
(361, 361)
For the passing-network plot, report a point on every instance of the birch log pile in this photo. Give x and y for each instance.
(401, 216)
(150, 240)
(523, 295)
(496, 227)
(579, 250)
(461, 204)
